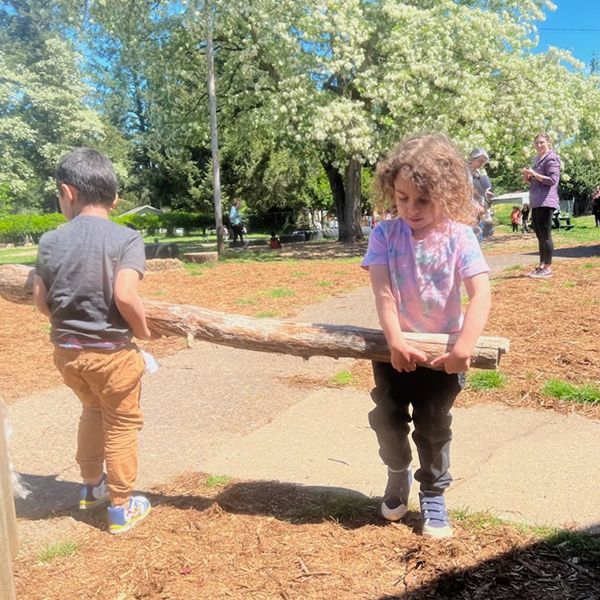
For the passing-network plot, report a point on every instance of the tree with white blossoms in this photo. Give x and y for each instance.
(349, 78)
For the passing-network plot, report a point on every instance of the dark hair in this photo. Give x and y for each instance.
(90, 173)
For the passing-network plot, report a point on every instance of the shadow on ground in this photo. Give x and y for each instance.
(47, 496)
(574, 252)
(566, 567)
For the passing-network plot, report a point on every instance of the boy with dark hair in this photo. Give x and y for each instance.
(86, 281)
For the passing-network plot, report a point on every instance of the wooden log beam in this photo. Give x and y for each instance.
(271, 335)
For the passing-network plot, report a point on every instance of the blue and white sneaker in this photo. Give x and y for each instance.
(395, 497)
(93, 495)
(435, 516)
(123, 518)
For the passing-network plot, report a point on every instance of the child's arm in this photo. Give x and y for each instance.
(40, 295)
(404, 357)
(129, 302)
(458, 359)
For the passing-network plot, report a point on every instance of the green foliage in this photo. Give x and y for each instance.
(57, 550)
(17, 229)
(151, 223)
(279, 292)
(339, 507)
(502, 214)
(577, 543)
(266, 314)
(43, 110)
(486, 380)
(305, 91)
(213, 481)
(588, 393)
(343, 378)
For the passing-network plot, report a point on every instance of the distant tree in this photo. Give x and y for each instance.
(43, 111)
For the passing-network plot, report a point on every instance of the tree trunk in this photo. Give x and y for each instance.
(336, 183)
(270, 335)
(352, 212)
(346, 194)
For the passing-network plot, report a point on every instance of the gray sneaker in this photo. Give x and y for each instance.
(435, 517)
(395, 497)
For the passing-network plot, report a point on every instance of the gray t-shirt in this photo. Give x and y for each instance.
(78, 263)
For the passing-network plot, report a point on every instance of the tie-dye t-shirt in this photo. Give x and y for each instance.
(426, 274)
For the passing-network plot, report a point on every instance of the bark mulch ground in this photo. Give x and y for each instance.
(211, 539)
(270, 540)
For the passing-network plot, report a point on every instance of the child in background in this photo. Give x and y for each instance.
(525, 218)
(515, 218)
(416, 265)
(86, 281)
(274, 242)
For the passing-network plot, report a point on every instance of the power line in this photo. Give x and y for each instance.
(568, 29)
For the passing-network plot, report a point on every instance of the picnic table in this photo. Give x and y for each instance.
(561, 219)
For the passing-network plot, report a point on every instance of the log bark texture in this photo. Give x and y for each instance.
(271, 335)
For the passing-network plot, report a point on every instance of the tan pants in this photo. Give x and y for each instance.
(109, 387)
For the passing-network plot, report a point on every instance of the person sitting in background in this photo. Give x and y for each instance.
(274, 242)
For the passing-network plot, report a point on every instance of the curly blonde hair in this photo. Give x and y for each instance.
(436, 167)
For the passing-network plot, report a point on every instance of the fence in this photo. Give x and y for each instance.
(8, 521)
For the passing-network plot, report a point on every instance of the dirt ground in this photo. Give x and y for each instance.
(269, 540)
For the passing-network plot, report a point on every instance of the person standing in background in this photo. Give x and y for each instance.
(543, 178)
(482, 192)
(235, 221)
(525, 217)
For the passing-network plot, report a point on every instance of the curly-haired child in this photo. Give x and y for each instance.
(417, 263)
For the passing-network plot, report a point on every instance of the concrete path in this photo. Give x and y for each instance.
(228, 411)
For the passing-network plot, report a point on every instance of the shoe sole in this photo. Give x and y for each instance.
(393, 514)
(84, 505)
(437, 533)
(118, 529)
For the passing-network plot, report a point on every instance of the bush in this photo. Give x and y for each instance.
(168, 221)
(18, 229)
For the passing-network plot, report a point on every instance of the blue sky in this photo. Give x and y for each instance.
(575, 26)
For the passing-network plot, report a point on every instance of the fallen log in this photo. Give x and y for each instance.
(271, 335)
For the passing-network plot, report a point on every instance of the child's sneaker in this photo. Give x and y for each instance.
(93, 495)
(123, 518)
(435, 517)
(395, 497)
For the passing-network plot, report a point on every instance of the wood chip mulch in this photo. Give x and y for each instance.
(274, 540)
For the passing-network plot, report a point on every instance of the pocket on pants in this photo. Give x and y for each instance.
(122, 371)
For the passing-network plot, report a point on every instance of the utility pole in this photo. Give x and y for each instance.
(214, 141)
